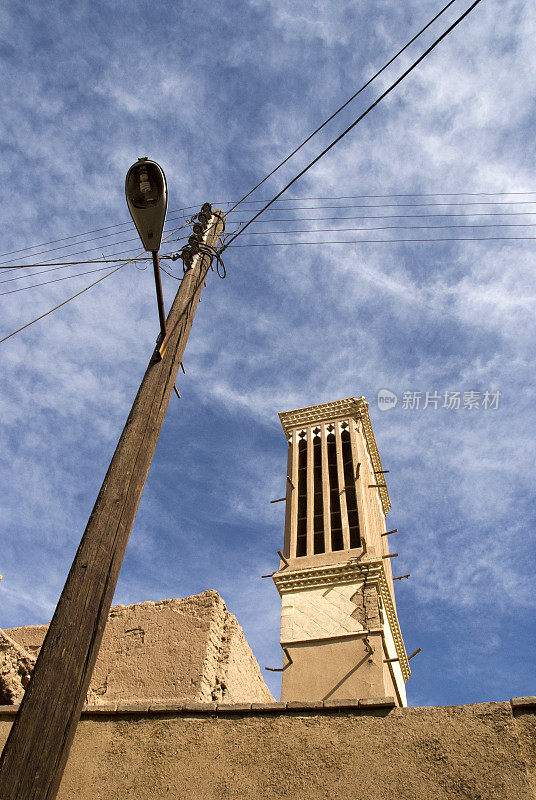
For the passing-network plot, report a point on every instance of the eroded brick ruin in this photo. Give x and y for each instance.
(186, 649)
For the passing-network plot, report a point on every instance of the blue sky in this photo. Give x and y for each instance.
(218, 94)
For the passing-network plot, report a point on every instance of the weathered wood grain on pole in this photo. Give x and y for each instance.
(36, 751)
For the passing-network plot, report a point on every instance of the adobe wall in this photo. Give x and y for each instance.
(187, 649)
(341, 667)
(484, 751)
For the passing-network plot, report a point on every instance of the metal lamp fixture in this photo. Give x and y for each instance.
(146, 193)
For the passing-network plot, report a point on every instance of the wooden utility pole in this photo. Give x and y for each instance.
(36, 751)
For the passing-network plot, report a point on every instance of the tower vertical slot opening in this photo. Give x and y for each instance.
(334, 495)
(318, 502)
(301, 533)
(351, 496)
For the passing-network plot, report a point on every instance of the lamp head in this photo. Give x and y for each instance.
(146, 193)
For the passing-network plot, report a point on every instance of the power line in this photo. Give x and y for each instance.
(84, 233)
(63, 239)
(45, 271)
(62, 264)
(50, 311)
(169, 273)
(370, 80)
(101, 247)
(75, 244)
(63, 246)
(53, 280)
(361, 116)
(395, 228)
(86, 261)
(290, 244)
(400, 216)
(59, 264)
(281, 200)
(402, 205)
(68, 300)
(411, 194)
(85, 241)
(7, 264)
(86, 250)
(390, 241)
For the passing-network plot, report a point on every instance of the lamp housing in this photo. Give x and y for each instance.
(146, 194)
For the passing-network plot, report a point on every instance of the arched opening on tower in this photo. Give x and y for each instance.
(334, 494)
(349, 485)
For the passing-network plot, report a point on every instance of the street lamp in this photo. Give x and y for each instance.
(146, 193)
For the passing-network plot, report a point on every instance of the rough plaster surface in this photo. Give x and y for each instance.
(15, 669)
(188, 649)
(339, 668)
(476, 752)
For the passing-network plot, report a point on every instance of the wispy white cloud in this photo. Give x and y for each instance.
(218, 98)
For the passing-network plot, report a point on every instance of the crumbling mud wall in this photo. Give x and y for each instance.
(485, 751)
(187, 649)
(15, 669)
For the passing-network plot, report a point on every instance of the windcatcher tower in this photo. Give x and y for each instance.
(339, 626)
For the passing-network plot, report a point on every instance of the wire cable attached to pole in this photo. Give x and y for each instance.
(370, 80)
(360, 117)
(68, 300)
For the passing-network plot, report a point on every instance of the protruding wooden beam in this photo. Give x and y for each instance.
(280, 669)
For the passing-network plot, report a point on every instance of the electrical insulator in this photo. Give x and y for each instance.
(187, 256)
(198, 229)
(206, 209)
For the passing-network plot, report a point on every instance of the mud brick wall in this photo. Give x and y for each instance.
(310, 751)
(188, 649)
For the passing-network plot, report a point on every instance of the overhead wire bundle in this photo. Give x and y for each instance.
(108, 238)
(472, 219)
(359, 118)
